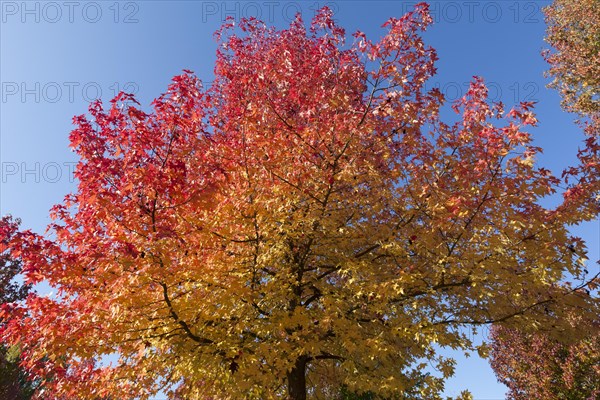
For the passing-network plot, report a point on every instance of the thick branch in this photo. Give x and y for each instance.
(181, 322)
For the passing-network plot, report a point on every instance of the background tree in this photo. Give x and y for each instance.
(307, 223)
(10, 290)
(574, 33)
(13, 380)
(537, 366)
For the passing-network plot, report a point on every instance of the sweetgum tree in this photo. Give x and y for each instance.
(305, 224)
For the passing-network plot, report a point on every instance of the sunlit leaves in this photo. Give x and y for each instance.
(305, 224)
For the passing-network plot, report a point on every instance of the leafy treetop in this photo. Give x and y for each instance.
(306, 223)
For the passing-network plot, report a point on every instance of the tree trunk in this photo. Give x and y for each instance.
(297, 380)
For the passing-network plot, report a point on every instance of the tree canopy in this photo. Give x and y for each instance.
(307, 222)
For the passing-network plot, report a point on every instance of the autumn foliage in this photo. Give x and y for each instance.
(10, 290)
(535, 366)
(306, 223)
(538, 364)
(574, 33)
(14, 384)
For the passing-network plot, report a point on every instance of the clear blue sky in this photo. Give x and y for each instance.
(57, 56)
